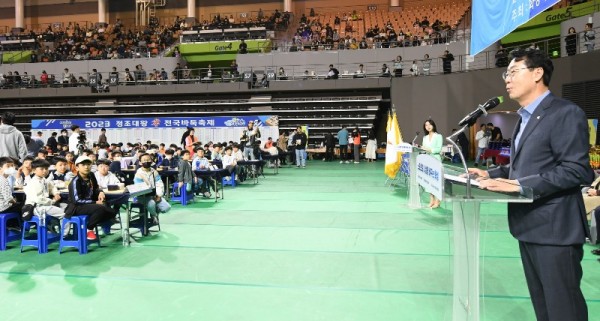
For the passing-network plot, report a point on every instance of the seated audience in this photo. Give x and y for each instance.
(155, 203)
(86, 197)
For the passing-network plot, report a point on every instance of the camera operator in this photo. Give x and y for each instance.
(248, 140)
(81, 142)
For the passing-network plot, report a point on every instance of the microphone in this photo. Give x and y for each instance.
(414, 139)
(481, 110)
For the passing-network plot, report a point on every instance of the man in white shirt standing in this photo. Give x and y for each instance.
(74, 140)
(482, 142)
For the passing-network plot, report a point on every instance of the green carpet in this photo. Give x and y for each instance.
(329, 242)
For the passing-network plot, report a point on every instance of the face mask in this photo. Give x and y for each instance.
(146, 164)
(64, 134)
(10, 171)
(117, 158)
(169, 157)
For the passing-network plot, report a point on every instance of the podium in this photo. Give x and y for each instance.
(414, 196)
(465, 239)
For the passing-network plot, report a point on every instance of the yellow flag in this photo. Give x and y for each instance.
(393, 158)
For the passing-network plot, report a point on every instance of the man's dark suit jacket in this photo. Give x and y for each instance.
(552, 158)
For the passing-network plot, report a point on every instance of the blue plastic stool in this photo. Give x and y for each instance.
(43, 239)
(184, 196)
(6, 235)
(230, 182)
(80, 241)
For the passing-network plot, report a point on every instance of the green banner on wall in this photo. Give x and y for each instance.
(547, 24)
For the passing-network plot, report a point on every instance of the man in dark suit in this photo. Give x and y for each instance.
(550, 156)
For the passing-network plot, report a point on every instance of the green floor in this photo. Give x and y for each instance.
(328, 242)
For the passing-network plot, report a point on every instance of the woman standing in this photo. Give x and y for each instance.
(571, 42)
(432, 144)
(371, 152)
(356, 144)
(190, 140)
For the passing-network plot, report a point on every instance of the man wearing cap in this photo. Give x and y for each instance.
(86, 197)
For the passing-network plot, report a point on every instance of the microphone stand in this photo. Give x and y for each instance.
(450, 139)
(414, 139)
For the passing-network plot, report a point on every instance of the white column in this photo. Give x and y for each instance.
(394, 3)
(287, 5)
(191, 9)
(102, 4)
(19, 14)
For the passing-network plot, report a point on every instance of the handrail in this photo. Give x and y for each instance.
(372, 69)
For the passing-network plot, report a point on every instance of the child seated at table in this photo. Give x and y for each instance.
(86, 198)
(200, 163)
(169, 161)
(41, 193)
(61, 174)
(8, 204)
(24, 172)
(104, 176)
(186, 177)
(155, 203)
(229, 161)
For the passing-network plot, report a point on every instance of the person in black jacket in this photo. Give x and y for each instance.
(52, 143)
(86, 198)
(300, 140)
(329, 146)
(571, 42)
(333, 73)
(63, 139)
(447, 59)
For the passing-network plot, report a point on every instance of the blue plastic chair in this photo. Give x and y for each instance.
(230, 182)
(43, 238)
(6, 235)
(79, 240)
(184, 196)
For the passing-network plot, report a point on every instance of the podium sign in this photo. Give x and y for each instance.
(402, 148)
(430, 175)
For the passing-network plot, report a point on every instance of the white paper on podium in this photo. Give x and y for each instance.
(460, 179)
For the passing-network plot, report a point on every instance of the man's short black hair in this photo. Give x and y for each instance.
(6, 160)
(42, 151)
(59, 159)
(198, 148)
(169, 152)
(103, 162)
(8, 118)
(74, 127)
(185, 151)
(115, 153)
(28, 158)
(535, 58)
(54, 134)
(63, 131)
(40, 163)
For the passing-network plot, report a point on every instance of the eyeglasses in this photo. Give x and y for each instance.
(511, 73)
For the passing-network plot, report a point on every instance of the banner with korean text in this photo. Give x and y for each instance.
(494, 19)
(162, 129)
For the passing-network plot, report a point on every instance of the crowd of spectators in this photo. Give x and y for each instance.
(313, 35)
(276, 21)
(105, 41)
